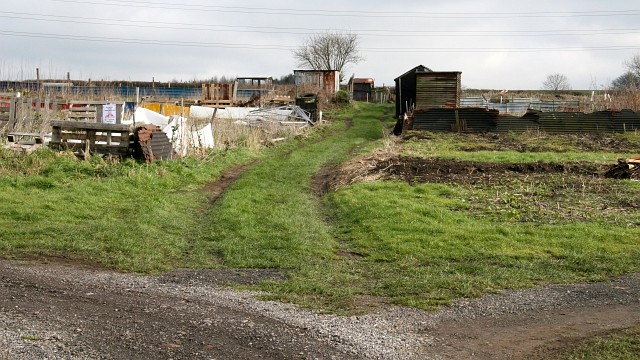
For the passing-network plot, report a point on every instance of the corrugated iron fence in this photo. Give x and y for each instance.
(483, 120)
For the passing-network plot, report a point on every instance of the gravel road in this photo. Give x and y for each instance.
(55, 311)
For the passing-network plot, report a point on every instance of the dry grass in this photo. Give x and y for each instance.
(234, 133)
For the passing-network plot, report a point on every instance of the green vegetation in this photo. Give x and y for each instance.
(521, 147)
(624, 345)
(419, 244)
(124, 215)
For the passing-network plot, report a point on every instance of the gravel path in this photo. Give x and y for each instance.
(50, 311)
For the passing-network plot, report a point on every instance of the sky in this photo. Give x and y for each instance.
(506, 45)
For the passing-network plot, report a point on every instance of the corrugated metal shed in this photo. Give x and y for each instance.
(314, 81)
(481, 119)
(422, 88)
(362, 89)
(438, 90)
(468, 119)
(406, 89)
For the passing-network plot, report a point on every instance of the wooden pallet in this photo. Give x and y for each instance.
(27, 138)
(85, 138)
(218, 103)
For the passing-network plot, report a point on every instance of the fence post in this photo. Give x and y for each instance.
(12, 113)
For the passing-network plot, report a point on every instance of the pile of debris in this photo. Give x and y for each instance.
(625, 169)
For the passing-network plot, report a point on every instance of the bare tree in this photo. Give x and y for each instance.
(631, 78)
(329, 51)
(633, 65)
(626, 81)
(556, 82)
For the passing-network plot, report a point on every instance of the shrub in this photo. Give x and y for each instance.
(341, 97)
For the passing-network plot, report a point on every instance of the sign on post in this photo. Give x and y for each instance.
(109, 114)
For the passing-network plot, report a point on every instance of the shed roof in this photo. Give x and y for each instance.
(312, 71)
(363, 81)
(417, 69)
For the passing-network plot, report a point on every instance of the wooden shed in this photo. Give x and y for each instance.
(316, 81)
(423, 88)
(361, 88)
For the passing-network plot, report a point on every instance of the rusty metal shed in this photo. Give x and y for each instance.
(315, 81)
(361, 88)
(423, 88)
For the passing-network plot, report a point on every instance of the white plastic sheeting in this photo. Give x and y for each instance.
(286, 115)
(233, 113)
(184, 134)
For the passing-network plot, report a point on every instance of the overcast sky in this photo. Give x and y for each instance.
(495, 44)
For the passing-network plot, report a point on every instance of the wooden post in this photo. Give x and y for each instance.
(12, 113)
(38, 81)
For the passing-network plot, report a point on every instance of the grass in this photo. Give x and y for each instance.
(270, 218)
(124, 215)
(624, 345)
(520, 147)
(420, 245)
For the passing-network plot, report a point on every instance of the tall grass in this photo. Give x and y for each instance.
(233, 133)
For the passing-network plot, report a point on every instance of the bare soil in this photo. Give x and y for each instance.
(539, 142)
(60, 312)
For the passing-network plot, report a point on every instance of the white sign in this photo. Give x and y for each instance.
(109, 113)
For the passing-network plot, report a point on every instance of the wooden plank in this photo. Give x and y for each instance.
(81, 115)
(17, 137)
(97, 148)
(217, 101)
(89, 103)
(80, 109)
(102, 137)
(80, 125)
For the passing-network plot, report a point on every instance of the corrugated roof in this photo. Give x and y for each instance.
(417, 69)
(363, 81)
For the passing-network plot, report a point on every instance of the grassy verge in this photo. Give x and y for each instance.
(624, 345)
(123, 215)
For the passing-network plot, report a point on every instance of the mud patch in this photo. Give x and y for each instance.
(320, 181)
(420, 170)
(215, 189)
(387, 166)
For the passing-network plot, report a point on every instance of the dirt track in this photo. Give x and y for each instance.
(49, 311)
(55, 311)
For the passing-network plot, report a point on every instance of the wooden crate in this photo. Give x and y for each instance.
(90, 138)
